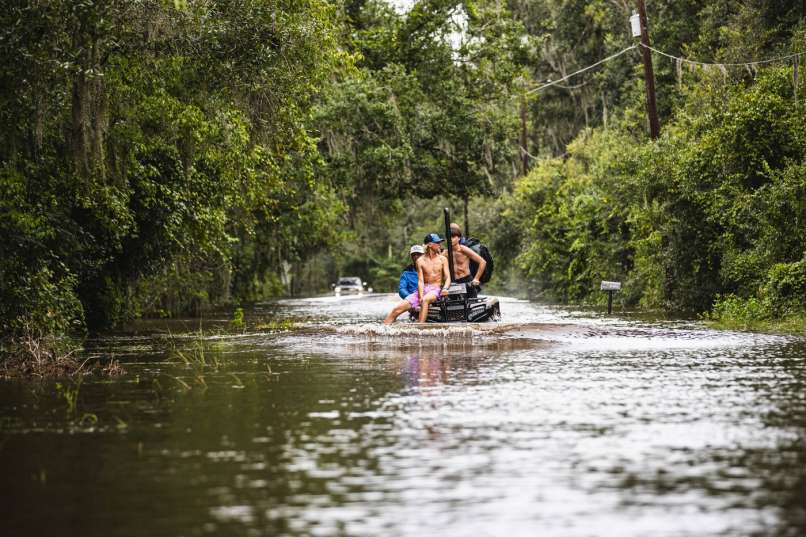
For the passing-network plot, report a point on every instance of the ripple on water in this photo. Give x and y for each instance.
(547, 423)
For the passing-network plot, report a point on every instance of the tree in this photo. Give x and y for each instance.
(146, 144)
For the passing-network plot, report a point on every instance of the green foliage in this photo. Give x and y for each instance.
(159, 157)
(429, 113)
(197, 356)
(237, 319)
(713, 208)
(785, 289)
(742, 312)
(567, 35)
(385, 273)
(574, 218)
(779, 304)
(151, 151)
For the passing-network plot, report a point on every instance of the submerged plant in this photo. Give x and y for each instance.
(238, 382)
(196, 357)
(277, 325)
(238, 319)
(113, 368)
(69, 392)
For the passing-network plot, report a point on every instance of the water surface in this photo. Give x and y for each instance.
(552, 422)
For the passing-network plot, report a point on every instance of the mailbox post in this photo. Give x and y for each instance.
(610, 287)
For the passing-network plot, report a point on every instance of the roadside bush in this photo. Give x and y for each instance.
(35, 301)
(135, 183)
(574, 215)
(39, 310)
(715, 210)
(785, 289)
(781, 298)
(738, 311)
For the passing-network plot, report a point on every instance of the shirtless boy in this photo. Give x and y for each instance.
(462, 256)
(433, 278)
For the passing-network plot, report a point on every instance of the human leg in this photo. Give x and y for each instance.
(401, 307)
(428, 298)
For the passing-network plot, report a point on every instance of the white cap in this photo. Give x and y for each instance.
(417, 249)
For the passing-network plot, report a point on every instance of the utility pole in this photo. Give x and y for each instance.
(649, 75)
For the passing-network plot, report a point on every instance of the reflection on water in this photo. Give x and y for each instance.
(552, 423)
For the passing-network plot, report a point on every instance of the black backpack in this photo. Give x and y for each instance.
(479, 248)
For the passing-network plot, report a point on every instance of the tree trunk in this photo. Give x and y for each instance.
(39, 127)
(89, 106)
(98, 114)
(78, 124)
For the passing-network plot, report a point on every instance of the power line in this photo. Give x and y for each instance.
(743, 64)
(550, 83)
(588, 68)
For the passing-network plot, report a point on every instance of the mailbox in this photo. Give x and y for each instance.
(610, 287)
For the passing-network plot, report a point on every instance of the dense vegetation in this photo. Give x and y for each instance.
(716, 206)
(160, 157)
(148, 152)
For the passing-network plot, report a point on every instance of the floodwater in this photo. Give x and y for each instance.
(552, 422)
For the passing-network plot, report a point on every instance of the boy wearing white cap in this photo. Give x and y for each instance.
(408, 278)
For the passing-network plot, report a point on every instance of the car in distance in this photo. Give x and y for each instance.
(348, 285)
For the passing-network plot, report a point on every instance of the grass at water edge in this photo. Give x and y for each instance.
(790, 325)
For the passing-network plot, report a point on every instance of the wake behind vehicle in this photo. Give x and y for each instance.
(456, 305)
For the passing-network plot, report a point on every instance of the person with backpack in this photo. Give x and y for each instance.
(463, 256)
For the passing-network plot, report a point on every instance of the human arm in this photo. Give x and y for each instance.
(420, 279)
(478, 260)
(446, 274)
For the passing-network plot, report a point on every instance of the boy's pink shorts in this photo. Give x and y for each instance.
(414, 298)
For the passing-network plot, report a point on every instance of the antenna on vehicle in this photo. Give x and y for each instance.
(450, 244)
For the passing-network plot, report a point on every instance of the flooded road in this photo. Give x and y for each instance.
(552, 422)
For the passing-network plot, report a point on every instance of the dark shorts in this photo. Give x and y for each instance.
(472, 292)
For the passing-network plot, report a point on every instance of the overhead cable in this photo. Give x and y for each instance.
(588, 68)
(550, 83)
(742, 64)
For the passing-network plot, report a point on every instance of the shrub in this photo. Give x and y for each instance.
(739, 311)
(785, 289)
(711, 214)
